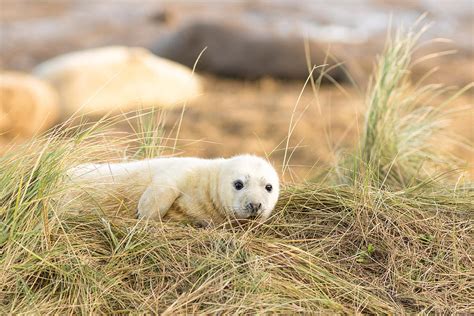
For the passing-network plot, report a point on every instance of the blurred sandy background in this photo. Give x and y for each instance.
(254, 66)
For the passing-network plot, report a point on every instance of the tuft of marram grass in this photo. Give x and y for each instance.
(361, 246)
(401, 119)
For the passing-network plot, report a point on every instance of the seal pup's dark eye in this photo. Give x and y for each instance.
(238, 185)
(269, 187)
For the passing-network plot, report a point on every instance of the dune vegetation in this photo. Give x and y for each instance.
(388, 230)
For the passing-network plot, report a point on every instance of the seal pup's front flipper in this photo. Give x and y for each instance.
(156, 201)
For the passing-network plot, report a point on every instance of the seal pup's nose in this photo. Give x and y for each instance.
(254, 207)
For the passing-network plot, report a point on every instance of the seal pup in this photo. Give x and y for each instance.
(28, 105)
(117, 79)
(205, 191)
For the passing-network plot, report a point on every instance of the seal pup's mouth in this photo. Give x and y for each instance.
(244, 214)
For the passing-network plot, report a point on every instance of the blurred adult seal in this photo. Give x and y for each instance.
(246, 50)
(204, 191)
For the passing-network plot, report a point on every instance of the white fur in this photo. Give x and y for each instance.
(117, 79)
(202, 189)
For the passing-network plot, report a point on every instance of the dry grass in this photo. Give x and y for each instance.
(373, 240)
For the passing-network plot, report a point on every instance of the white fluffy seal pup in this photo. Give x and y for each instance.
(28, 105)
(205, 191)
(117, 79)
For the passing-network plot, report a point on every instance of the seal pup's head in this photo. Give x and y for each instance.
(248, 187)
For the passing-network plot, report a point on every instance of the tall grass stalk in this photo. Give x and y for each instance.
(402, 117)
